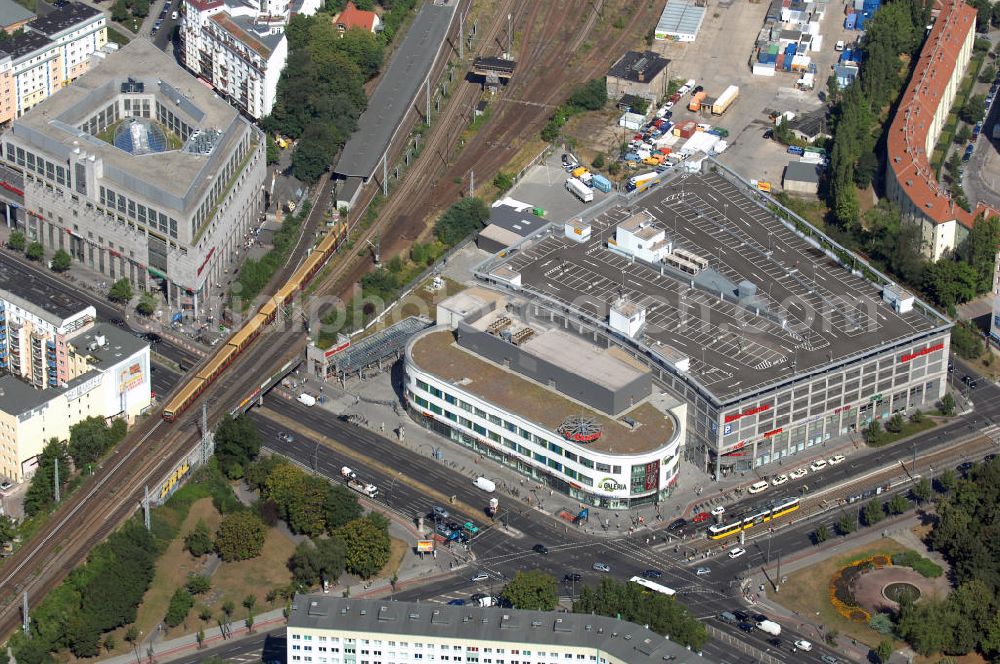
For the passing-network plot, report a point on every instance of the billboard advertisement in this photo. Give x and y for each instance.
(132, 375)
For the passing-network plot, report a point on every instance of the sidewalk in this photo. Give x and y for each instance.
(767, 603)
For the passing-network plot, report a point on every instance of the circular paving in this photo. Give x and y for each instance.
(898, 591)
(870, 589)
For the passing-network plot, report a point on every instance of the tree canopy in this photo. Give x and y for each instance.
(316, 560)
(240, 536)
(41, 493)
(533, 589)
(461, 219)
(89, 439)
(636, 604)
(367, 546)
(237, 443)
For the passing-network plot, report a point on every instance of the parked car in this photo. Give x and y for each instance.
(964, 467)
(677, 524)
(798, 473)
(717, 511)
(602, 567)
(969, 149)
(737, 552)
(701, 517)
(779, 480)
(757, 487)
(834, 460)
(6, 485)
(441, 513)
(818, 464)
(830, 659)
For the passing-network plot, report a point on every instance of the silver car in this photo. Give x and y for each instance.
(602, 567)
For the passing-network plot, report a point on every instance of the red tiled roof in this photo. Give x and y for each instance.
(241, 35)
(907, 136)
(352, 17)
(202, 5)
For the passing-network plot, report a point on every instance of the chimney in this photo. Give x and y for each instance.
(641, 75)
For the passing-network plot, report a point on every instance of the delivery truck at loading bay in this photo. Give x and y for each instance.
(580, 190)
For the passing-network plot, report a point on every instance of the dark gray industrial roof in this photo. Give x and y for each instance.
(801, 171)
(63, 17)
(12, 13)
(25, 43)
(623, 641)
(17, 396)
(508, 218)
(811, 124)
(33, 294)
(632, 63)
(395, 92)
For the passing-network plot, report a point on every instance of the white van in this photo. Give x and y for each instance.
(757, 487)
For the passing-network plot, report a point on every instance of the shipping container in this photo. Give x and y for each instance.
(696, 100)
(601, 183)
(779, 64)
(686, 129)
(725, 100)
(850, 23)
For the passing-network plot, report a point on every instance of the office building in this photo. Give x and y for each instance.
(140, 172)
(337, 630)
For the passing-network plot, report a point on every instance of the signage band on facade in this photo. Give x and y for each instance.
(747, 413)
(920, 353)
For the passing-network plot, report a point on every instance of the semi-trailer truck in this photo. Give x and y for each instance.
(580, 190)
(725, 100)
(369, 490)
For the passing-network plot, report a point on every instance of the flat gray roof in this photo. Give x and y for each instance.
(12, 13)
(394, 95)
(62, 17)
(176, 178)
(681, 17)
(523, 223)
(36, 296)
(625, 641)
(801, 171)
(809, 311)
(120, 344)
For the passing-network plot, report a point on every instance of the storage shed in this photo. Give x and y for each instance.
(801, 178)
(680, 21)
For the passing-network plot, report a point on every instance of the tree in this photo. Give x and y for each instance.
(199, 541)
(89, 439)
(947, 404)
(947, 481)
(949, 282)
(872, 512)
(884, 650)
(631, 602)
(881, 622)
(180, 603)
(41, 493)
(598, 161)
(534, 590)
(895, 423)
(237, 443)
(198, 584)
(898, 504)
(61, 261)
(922, 490)
(821, 534)
(121, 291)
(974, 109)
(146, 305)
(873, 433)
(272, 155)
(204, 614)
(119, 11)
(8, 529)
(110, 643)
(967, 340)
(200, 637)
(16, 241)
(35, 251)
(865, 169)
(140, 8)
(341, 506)
(591, 96)
(503, 181)
(846, 525)
(975, 250)
(132, 635)
(314, 152)
(240, 536)
(461, 219)
(962, 137)
(366, 547)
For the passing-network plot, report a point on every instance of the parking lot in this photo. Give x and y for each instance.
(720, 57)
(544, 186)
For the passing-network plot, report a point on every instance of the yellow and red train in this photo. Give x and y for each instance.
(228, 352)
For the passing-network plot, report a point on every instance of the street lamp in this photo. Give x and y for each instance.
(392, 484)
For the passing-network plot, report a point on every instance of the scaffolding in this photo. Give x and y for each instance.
(376, 351)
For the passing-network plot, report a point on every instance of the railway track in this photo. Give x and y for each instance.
(823, 500)
(115, 492)
(546, 73)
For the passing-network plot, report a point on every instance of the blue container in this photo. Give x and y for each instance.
(850, 21)
(601, 182)
(788, 65)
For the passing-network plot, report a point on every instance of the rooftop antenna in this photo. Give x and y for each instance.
(510, 36)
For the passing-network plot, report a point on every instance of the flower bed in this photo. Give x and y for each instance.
(841, 587)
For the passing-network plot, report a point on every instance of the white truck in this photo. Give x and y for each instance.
(307, 399)
(489, 486)
(347, 473)
(369, 490)
(769, 627)
(580, 190)
(725, 100)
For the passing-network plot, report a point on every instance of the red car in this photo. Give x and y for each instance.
(701, 516)
(676, 97)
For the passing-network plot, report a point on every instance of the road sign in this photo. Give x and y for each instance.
(425, 546)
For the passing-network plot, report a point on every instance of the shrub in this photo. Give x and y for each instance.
(180, 604)
(922, 566)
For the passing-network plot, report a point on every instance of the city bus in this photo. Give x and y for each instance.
(655, 587)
